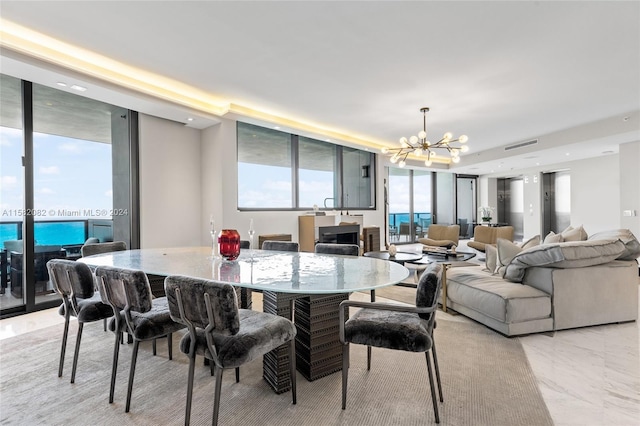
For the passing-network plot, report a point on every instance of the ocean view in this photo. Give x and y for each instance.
(47, 233)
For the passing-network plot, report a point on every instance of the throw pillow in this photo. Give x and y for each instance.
(491, 258)
(531, 242)
(552, 237)
(507, 250)
(574, 234)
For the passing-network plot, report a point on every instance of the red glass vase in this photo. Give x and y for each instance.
(229, 241)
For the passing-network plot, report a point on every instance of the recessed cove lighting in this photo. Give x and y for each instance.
(78, 88)
(61, 84)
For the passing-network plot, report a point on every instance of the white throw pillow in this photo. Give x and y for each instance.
(552, 237)
(531, 242)
(507, 250)
(491, 258)
(574, 234)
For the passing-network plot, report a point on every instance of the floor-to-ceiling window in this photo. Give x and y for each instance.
(57, 185)
(410, 204)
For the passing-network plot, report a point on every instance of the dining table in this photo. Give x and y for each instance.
(304, 287)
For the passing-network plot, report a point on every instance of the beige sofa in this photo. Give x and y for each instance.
(552, 286)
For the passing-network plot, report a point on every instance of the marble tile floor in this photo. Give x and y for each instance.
(588, 376)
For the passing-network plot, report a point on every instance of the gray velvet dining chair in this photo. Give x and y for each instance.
(280, 245)
(223, 333)
(399, 327)
(74, 282)
(99, 248)
(332, 248)
(143, 317)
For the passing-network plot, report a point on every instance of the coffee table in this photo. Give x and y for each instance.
(400, 256)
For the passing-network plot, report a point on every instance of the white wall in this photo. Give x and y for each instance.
(630, 185)
(170, 185)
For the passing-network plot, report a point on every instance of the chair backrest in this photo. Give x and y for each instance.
(124, 287)
(429, 287)
(71, 278)
(187, 298)
(444, 232)
(505, 232)
(280, 245)
(99, 248)
(245, 244)
(344, 249)
(490, 234)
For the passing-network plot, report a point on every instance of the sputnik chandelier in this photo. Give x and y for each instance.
(419, 145)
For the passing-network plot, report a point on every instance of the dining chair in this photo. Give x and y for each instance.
(332, 248)
(399, 327)
(99, 248)
(74, 282)
(143, 317)
(223, 333)
(280, 245)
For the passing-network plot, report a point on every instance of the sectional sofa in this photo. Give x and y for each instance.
(532, 288)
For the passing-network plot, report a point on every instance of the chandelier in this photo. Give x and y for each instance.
(419, 145)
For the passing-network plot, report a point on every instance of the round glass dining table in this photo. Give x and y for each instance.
(312, 284)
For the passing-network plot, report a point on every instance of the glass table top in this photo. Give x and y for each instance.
(285, 272)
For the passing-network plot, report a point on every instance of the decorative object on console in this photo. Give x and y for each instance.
(419, 144)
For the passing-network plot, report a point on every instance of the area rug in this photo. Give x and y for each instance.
(486, 381)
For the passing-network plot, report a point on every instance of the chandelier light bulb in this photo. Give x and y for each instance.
(428, 163)
(403, 141)
(402, 163)
(447, 136)
(455, 152)
(418, 152)
(456, 159)
(464, 148)
(413, 140)
(394, 159)
(432, 154)
(427, 143)
(384, 150)
(463, 139)
(422, 134)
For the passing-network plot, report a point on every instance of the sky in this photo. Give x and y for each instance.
(70, 176)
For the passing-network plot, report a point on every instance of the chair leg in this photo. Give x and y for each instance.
(435, 364)
(170, 345)
(292, 369)
(433, 391)
(216, 398)
(368, 358)
(237, 374)
(104, 324)
(212, 367)
(187, 414)
(76, 352)
(64, 345)
(153, 344)
(345, 373)
(114, 366)
(132, 372)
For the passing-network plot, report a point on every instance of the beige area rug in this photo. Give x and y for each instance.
(486, 379)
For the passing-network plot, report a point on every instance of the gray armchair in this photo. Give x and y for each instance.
(222, 333)
(400, 327)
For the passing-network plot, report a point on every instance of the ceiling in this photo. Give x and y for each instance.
(566, 74)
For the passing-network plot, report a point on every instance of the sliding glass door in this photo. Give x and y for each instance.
(57, 185)
(410, 204)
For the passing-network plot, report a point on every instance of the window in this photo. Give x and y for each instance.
(278, 170)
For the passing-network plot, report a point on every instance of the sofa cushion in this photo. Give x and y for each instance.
(574, 234)
(631, 244)
(496, 298)
(575, 254)
(491, 258)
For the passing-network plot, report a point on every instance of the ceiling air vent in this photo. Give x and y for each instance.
(521, 145)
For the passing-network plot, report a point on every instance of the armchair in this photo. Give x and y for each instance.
(441, 236)
(483, 235)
